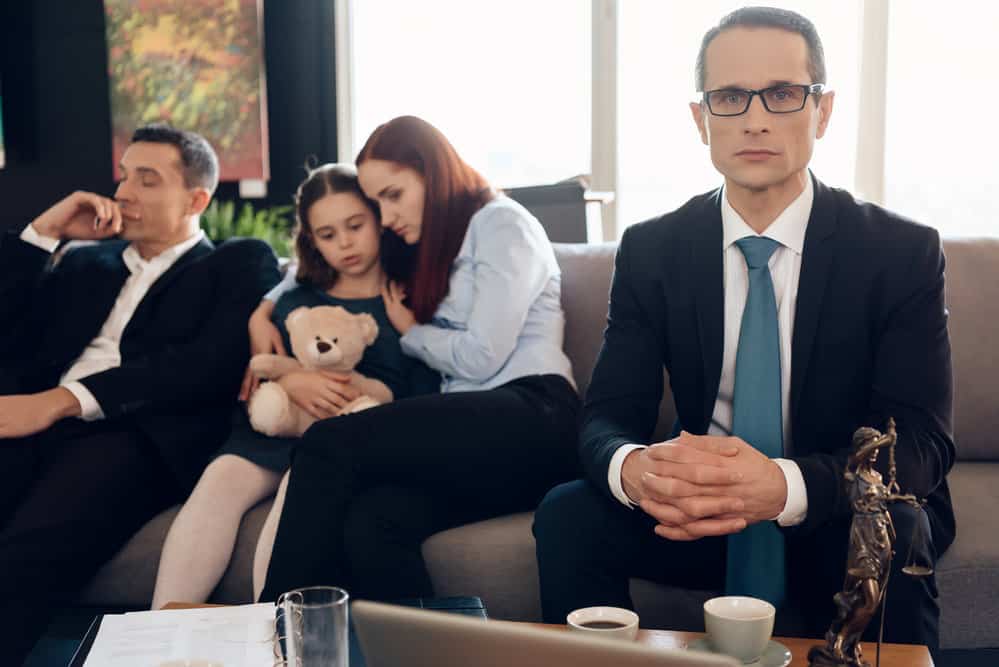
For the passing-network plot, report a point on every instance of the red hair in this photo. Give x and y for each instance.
(454, 192)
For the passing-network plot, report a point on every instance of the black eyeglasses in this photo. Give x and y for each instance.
(785, 98)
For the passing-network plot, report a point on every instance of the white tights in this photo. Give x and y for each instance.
(202, 538)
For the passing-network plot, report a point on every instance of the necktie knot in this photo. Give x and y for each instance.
(757, 250)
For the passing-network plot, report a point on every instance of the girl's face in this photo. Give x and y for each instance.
(345, 232)
(399, 192)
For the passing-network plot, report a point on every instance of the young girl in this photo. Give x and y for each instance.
(338, 248)
(483, 307)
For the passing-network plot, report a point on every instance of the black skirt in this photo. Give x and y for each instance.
(266, 451)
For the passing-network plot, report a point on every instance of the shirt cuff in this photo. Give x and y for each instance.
(614, 473)
(90, 408)
(46, 243)
(796, 508)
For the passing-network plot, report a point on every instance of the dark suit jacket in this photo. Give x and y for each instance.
(870, 341)
(183, 352)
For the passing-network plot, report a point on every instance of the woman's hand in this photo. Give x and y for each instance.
(399, 315)
(320, 393)
(264, 339)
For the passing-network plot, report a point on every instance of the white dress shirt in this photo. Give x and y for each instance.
(104, 351)
(785, 268)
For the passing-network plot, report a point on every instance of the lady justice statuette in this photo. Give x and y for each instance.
(870, 554)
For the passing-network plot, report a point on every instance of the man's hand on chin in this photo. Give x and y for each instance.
(701, 486)
(22, 415)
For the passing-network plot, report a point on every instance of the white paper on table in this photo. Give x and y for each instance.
(230, 636)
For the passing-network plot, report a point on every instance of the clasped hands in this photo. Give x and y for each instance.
(697, 486)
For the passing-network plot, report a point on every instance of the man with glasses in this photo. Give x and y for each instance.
(787, 314)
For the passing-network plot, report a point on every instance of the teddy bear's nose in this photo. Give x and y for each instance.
(323, 347)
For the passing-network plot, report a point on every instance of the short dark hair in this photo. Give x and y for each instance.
(767, 17)
(199, 163)
(313, 269)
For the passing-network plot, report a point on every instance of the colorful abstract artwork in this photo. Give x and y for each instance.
(196, 64)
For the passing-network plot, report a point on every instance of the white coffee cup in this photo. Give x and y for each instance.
(611, 622)
(739, 626)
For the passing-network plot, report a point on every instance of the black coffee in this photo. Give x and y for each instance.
(602, 625)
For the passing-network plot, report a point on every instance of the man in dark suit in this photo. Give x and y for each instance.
(787, 314)
(118, 368)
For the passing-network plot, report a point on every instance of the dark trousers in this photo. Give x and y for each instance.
(366, 489)
(70, 498)
(589, 545)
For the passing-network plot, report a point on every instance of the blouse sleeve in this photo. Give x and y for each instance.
(287, 284)
(513, 263)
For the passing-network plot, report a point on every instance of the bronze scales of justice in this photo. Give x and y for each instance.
(871, 550)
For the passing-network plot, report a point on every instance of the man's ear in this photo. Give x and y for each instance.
(200, 198)
(825, 111)
(697, 111)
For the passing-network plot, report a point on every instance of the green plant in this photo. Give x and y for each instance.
(273, 225)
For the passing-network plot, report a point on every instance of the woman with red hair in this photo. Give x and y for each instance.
(482, 305)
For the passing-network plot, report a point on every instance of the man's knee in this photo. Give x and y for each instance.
(568, 510)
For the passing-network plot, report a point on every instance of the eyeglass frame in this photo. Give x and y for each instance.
(809, 88)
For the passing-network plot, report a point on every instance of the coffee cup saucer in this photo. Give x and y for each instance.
(774, 655)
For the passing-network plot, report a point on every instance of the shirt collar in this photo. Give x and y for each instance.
(163, 261)
(788, 229)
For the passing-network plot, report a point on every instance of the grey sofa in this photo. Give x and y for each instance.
(495, 559)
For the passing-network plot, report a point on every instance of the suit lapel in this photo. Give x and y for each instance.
(816, 263)
(707, 275)
(99, 288)
(202, 248)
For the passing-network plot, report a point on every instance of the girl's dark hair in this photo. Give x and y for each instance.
(454, 192)
(313, 269)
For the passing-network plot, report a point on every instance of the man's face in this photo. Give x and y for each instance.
(155, 203)
(759, 149)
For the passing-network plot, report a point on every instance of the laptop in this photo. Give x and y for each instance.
(394, 636)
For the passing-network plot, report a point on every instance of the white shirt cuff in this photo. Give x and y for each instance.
(614, 473)
(796, 507)
(46, 243)
(90, 408)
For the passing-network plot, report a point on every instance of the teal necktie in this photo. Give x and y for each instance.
(755, 563)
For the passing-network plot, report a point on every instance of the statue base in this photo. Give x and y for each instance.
(821, 656)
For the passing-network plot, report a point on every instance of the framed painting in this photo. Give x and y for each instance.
(196, 64)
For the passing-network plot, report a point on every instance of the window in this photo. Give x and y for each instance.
(508, 83)
(940, 139)
(511, 85)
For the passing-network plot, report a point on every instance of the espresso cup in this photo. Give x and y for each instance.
(739, 626)
(612, 622)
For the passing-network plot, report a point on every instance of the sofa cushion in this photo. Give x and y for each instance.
(973, 302)
(968, 574)
(127, 580)
(586, 278)
(492, 559)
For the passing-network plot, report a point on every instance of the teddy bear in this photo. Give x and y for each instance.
(322, 338)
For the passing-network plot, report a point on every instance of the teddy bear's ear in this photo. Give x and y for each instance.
(295, 315)
(369, 328)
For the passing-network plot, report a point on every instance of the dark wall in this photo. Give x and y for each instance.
(56, 108)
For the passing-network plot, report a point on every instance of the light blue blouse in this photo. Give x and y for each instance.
(502, 318)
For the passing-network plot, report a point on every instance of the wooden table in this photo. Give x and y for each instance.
(892, 655)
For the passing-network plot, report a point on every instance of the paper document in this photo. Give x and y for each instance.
(220, 636)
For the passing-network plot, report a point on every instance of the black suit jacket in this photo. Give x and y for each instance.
(182, 353)
(870, 341)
